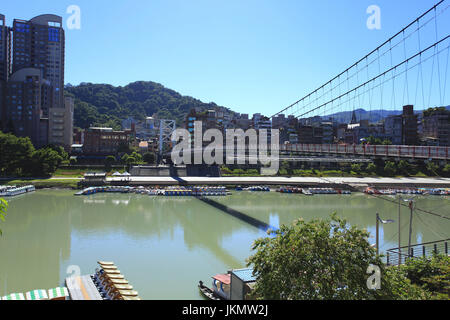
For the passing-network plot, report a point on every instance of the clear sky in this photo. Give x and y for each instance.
(251, 56)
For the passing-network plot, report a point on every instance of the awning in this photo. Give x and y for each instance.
(224, 278)
(59, 292)
(14, 296)
(37, 295)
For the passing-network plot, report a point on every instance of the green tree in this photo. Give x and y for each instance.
(446, 170)
(124, 158)
(321, 259)
(149, 157)
(356, 168)
(15, 155)
(431, 274)
(44, 162)
(371, 168)
(137, 157)
(404, 167)
(109, 161)
(130, 160)
(432, 168)
(390, 169)
(3, 208)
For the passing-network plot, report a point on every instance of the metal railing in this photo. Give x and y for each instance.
(397, 256)
(397, 151)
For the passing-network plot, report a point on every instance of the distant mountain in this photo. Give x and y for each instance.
(362, 114)
(107, 105)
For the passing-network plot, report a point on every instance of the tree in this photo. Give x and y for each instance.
(371, 168)
(3, 208)
(356, 168)
(124, 158)
(404, 167)
(109, 162)
(390, 169)
(446, 170)
(44, 162)
(149, 157)
(321, 259)
(137, 157)
(432, 168)
(15, 155)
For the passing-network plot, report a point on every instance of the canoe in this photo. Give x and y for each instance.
(207, 292)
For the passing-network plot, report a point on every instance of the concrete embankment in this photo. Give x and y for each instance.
(336, 182)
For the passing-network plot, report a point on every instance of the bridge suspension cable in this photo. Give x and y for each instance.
(387, 51)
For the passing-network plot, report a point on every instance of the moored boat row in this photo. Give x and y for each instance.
(408, 191)
(11, 191)
(312, 191)
(196, 191)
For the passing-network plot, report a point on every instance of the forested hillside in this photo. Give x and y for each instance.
(106, 105)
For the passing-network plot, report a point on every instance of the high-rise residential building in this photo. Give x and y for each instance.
(436, 126)
(27, 94)
(36, 86)
(5, 65)
(39, 43)
(410, 124)
(393, 129)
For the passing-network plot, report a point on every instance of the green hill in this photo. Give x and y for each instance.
(106, 105)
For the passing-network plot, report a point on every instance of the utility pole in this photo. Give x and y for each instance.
(399, 230)
(411, 206)
(378, 233)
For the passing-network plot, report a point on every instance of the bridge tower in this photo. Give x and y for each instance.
(166, 128)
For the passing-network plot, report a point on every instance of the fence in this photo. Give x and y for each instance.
(397, 256)
(413, 152)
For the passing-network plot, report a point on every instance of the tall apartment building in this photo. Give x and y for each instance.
(410, 126)
(393, 129)
(38, 49)
(436, 126)
(5, 65)
(27, 94)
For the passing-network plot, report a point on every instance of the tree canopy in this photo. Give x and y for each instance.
(321, 259)
(106, 105)
(20, 158)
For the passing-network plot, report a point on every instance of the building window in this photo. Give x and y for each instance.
(53, 35)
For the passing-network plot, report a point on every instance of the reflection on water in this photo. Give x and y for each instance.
(165, 245)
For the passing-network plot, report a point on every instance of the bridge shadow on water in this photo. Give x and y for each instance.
(237, 214)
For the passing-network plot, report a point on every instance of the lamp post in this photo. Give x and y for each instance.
(378, 230)
(411, 208)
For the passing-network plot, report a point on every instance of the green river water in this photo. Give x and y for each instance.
(164, 246)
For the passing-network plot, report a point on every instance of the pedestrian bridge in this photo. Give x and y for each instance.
(372, 151)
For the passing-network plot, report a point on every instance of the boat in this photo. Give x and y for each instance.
(243, 282)
(220, 287)
(11, 191)
(207, 292)
(307, 192)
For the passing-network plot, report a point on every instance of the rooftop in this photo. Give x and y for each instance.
(246, 275)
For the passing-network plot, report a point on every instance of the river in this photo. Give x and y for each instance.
(164, 246)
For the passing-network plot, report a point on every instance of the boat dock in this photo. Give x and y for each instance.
(82, 288)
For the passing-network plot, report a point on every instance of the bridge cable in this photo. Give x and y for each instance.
(383, 44)
(378, 76)
(438, 63)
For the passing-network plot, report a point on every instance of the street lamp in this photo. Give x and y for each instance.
(378, 231)
(411, 208)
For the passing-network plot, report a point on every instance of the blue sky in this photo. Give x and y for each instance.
(251, 56)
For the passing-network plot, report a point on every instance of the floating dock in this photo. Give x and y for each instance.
(82, 288)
